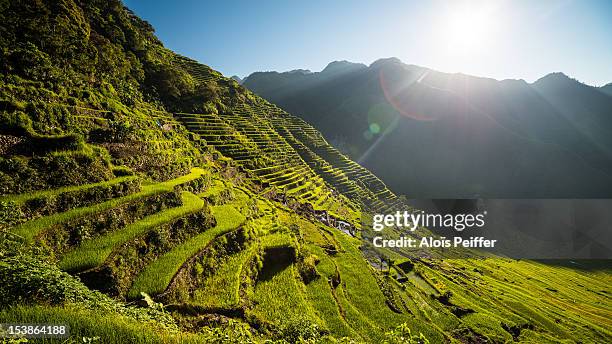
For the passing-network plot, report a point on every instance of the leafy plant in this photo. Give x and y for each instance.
(403, 335)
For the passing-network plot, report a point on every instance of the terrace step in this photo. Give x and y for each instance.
(156, 277)
(29, 230)
(93, 253)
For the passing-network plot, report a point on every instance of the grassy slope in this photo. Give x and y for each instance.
(361, 287)
(281, 299)
(222, 289)
(156, 276)
(499, 291)
(92, 253)
(21, 198)
(31, 229)
(320, 295)
(88, 324)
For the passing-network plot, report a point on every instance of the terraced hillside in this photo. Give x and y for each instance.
(147, 199)
(206, 245)
(284, 151)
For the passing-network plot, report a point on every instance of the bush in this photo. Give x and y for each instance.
(121, 171)
(19, 175)
(169, 82)
(299, 330)
(223, 197)
(15, 123)
(307, 267)
(28, 61)
(41, 144)
(10, 214)
(71, 168)
(232, 333)
(117, 132)
(403, 335)
(29, 279)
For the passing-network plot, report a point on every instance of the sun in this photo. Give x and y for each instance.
(466, 34)
(467, 31)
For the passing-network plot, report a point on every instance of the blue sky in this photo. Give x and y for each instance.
(519, 39)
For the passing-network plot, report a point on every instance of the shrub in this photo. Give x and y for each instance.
(299, 330)
(15, 123)
(120, 171)
(169, 82)
(117, 131)
(403, 335)
(233, 332)
(26, 279)
(10, 214)
(29, 279)
(41, 144)
(223, 197)
(307, 267)
(28, 61)
(55, 170)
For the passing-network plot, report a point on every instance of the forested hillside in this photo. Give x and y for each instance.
(146, 198)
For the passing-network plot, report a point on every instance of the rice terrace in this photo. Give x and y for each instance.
(147, 198)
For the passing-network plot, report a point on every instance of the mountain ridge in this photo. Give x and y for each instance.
(562, 120)
(395, 60)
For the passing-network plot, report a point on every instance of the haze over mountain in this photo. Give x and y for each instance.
(430, 134)
(607, 89)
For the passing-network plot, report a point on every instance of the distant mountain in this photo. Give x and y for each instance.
(299, 71)
(430, 134)
(607, 89)
(237, 78)
(341, 67)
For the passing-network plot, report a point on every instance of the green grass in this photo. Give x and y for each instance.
(156, 277)
(94, 252)
(362, 290)
(359, 306)
(29, 230)
(277, 240)
(222, 289)
(359, 322)
(560, 303)
(320, 295)
(99, 327)
(282, 298)
(21, 198)
(109, 328)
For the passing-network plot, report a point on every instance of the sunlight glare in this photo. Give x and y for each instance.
(467, 31)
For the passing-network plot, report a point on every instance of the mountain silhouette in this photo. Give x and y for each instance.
(430, 134)
(607, 89)
(237, 78)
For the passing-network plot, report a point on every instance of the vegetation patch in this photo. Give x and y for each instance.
(93, 253)
(156, 277)
(29, 230)
(115, 276)
(33, 205)
(65, 236)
